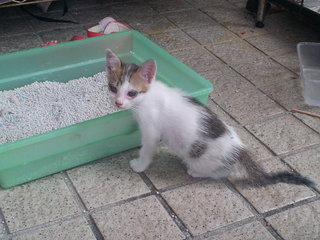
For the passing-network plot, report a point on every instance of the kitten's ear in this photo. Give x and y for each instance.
(113, 62)
(148, 70)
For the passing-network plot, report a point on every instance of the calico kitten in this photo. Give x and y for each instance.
(206, 145)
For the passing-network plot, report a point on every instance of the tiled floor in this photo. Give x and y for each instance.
(255, 72)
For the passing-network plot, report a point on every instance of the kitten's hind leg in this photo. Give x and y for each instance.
(207, 168)
(150, 141)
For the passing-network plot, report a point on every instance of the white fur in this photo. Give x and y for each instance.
(164, 114)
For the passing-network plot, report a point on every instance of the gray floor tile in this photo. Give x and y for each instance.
(2, 229)
(273, 196)
(173, 40)
(144, 219)
(62, 35)
(37, 202)
(107, 181)
(287, 23)
(226, 12)
(150, 24)
(284, 134)
(281, 22)
(312, 122)
(78, 4)
(236, 52)
(258, 150)
(221, 113)
(223, 74)
(15, 26)
(18, 43)
(72, 230)
(252, 231)
(189, 19)
(272, 44)
(7, 13)
(241, 3)
(286, 93)
(213, 201)
(168, 5)
(247, 105)
(40, 26)
(289, 60)
(227, 83)
(245, 27)
(133, 9)
(210, 34)
(307, 163)
(167, 170)
(264, 72)
(300, 223)
(228, 32)
(92, 15)
(199, 59)
(206, 3)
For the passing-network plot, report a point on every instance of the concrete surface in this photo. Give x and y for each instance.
(256, 75)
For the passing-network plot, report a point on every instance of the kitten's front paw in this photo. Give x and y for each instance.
(136, 165)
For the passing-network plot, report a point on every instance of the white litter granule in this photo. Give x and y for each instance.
(45, 106)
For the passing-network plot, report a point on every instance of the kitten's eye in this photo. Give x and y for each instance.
(132, 93)
(112, 88)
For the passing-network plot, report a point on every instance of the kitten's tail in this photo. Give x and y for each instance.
(258, 177)
(286, 177)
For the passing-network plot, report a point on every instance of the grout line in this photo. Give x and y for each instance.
(170, 188)
(300, 120)
(300, 150)
(94, 228)
(85, 214)
(270, 229)
(227, 113)
(258, 217)
(169, 210)
(262, 216)
(74, 192)
(44, 225)
(4, 223)
(244, 200)
(226, 228)
(271, 58)
(92, 224)
(119, 203)
(180, 224)
(290, 206)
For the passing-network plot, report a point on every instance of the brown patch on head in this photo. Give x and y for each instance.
(115, 75)
(114, 68)
(138, 82)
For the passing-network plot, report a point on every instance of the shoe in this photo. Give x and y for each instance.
(106, 26)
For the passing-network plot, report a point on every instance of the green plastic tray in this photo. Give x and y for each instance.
(71, 146)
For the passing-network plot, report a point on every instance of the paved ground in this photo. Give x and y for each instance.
(255, 72)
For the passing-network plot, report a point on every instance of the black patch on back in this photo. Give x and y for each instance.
(197, 149)
(212, 126)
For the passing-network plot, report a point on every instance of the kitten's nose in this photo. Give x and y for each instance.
(119, 104)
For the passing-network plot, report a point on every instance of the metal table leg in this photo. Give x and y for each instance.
(260, 13)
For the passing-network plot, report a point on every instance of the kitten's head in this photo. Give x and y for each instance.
(128, 82)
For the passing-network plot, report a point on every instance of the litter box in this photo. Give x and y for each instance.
(309, 59)
(68, 147)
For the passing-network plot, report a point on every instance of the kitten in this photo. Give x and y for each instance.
(207, 146)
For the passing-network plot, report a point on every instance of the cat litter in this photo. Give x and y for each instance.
(45, 106)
